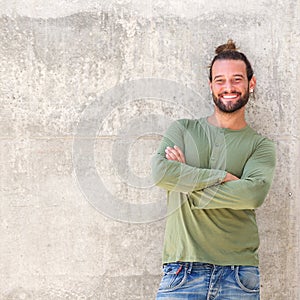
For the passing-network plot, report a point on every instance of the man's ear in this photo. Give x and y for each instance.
(210, 86)
(252, 83)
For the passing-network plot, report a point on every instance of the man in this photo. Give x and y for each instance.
(217, 171)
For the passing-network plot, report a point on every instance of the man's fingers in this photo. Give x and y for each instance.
(175, 154)
(180, 153)
(171, 153)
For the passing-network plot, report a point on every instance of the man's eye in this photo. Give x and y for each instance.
(237, 79)
(219, 81)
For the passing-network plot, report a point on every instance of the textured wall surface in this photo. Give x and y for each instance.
(87, 88)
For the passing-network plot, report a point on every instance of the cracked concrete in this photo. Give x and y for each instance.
(59, 59)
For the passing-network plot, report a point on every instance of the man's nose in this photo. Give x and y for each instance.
(227, 86)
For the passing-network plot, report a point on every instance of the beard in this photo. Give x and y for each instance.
(229, 106)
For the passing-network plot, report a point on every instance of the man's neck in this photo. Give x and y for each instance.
(234, 121)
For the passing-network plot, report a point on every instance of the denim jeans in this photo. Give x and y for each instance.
(203, 281)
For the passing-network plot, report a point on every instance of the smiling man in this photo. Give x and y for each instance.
(230, 86)
(216, 171)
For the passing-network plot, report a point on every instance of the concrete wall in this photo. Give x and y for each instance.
(87, 87)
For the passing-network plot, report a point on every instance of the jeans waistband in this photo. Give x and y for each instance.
(194, 265)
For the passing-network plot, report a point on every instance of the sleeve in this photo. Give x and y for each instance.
(176, 176)
(247, 193)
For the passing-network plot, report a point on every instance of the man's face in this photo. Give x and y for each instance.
(230, 86)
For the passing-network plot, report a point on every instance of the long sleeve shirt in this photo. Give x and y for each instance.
(210, 221)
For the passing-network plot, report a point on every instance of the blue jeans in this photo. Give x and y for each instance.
(203, 281)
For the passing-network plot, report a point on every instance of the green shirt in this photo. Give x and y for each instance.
(209, 221)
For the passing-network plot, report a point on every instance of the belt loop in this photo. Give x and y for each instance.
(232, 268)
(190, 268)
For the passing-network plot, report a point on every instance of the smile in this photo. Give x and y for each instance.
(230, 96)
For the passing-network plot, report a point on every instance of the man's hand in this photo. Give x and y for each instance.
(230, 177)
(175, 154)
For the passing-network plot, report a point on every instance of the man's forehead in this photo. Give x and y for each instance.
(236, 66)
(232, 67)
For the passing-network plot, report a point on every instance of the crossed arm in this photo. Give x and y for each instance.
(214, 189)
(176, 154)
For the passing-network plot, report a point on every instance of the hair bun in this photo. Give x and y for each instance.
(229, 46)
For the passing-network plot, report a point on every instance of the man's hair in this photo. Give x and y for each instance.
(230, 51)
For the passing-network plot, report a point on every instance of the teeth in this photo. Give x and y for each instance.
(229, 97)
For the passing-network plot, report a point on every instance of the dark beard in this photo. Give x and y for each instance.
(230, 108)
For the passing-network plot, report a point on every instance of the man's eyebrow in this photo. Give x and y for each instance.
(234, 75)
(218, 76)
(238, 75)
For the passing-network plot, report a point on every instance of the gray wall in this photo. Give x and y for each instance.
(87, 88)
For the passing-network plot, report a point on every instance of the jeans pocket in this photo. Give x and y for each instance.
(248, 278)
(173, 278)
